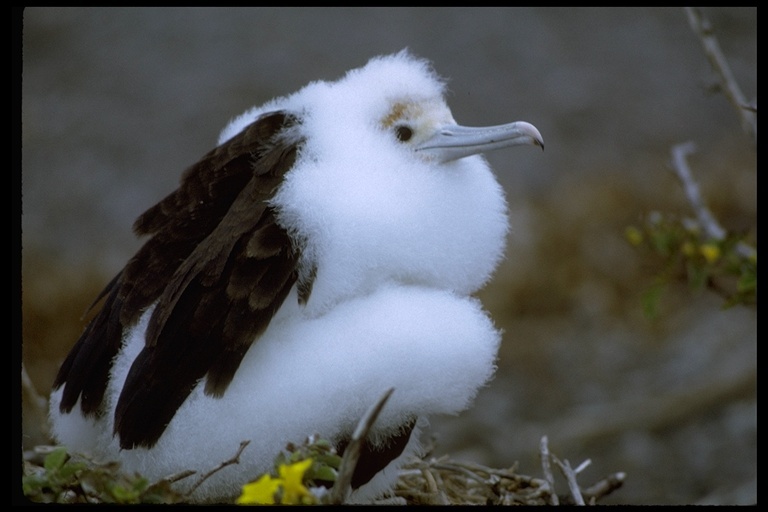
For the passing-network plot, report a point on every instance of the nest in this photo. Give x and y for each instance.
(444, 481)
(52, 475)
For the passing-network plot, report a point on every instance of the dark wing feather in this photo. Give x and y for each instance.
(217, 266)
(86, 368)
(375, 457)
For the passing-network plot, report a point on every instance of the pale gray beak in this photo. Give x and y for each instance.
(454, 141)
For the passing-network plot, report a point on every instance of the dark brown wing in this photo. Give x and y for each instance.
(217, 266)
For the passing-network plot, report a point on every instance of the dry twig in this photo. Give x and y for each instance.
(546, 468)
(570, 476)
(604, 487)
(467, 483)
(233, 460)
(712, 229)
(703, 29)
(707, 221)
(176, 477)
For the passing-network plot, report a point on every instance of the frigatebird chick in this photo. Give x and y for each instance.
(325, 251)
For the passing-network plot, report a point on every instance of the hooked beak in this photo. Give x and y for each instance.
(454, 141)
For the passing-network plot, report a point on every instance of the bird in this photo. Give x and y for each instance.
(327, 249)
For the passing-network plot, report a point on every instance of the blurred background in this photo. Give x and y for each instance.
(116, 103)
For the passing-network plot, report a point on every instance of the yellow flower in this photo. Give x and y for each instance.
(260, 492)
(289, 482)
(291, 477)
(711, 252)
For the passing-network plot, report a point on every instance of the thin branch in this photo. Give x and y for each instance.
(435, 487)
(570, 477)
(172, 479)
(430, 479)
(341, 488)
(233, 460)
(465, 471)
(581, 467)
(605, 486)
(547, 469)
(703, 29)
(707, 221)
(712, 229)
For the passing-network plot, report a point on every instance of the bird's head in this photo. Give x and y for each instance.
(428, 128)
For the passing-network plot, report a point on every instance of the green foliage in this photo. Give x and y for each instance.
(57, 476)
(67, 479)
(726, 266)
(63, 478)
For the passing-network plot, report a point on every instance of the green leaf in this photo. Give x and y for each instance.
(329, 459)
(30, 484)
(68, 470)
(55, 459)
(323, 473)
(123, 495)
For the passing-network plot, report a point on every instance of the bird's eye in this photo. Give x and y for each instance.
(403, 132)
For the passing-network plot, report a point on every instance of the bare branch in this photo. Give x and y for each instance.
(605, 486)
(712, 229)
(176, 477)
(707, 221)
(703, 29)
(233, 460)
(570, 477)
(547, 469)
(581, 467)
